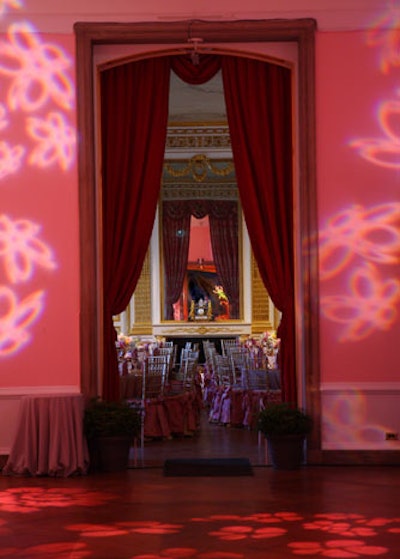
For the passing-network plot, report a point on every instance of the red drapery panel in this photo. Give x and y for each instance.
(134, 120)
(134, 116)
(259, 107)
(176, 236)
(223, 216)
(224, 233)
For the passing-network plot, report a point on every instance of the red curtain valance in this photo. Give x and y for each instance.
(196, 74)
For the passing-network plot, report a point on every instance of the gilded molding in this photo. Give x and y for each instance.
(203, 330)
(204, 191)
(199, 167)
(198, 137)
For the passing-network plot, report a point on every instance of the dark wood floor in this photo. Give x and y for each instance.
(330, 511)
(211, 441)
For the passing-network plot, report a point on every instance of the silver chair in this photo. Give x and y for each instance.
(228, 344)
(153, 378)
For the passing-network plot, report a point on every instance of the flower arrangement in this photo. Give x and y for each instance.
(131, 351)
(267, 345)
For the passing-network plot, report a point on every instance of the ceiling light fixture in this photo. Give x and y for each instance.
(194, 54)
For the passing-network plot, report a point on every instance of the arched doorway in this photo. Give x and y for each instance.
(163, 36)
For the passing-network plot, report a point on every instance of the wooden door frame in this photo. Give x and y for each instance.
(302, 33)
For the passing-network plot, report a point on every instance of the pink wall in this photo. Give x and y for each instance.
(357, 201)
(39, 259)
(359, 209)
(200, 240)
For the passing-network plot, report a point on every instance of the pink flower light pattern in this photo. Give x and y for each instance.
(342, 525)
(370, 306)
(371, 233)
(10, 159)
(341, 549)
(56, 141)
(189, 553)
(34, 499)
(38, 70)
(385, 151)
(3, 117)
(337, 534)
(150, 528)
(15, 317)
(386, 33)
(21, 250)
(59, 550)
(14, 4)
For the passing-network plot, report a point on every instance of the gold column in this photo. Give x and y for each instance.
(261, 303)
(142, 301)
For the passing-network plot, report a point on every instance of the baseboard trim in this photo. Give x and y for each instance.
(18, 391)
(355, 457)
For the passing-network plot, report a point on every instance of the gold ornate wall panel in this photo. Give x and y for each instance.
(142, 301)
(261, 303)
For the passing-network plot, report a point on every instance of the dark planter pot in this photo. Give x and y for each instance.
(286, 452)
(111, 454)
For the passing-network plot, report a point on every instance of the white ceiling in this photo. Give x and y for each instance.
(194, 103)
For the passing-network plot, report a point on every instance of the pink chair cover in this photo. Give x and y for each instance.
(175, 407)
(130, 386)
(215, 409)
(156, 423)
(237, 411)
(256, 400)
(225, 407)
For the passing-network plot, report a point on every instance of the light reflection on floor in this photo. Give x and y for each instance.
(142, 515)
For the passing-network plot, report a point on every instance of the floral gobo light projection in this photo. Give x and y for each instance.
(213, 536)
(36, 76)
(363, 237)
(38, 86)
(363, 243)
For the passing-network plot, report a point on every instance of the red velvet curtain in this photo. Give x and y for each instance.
(176, 236)
(224, 233)
(134, 116)
(259, 108)
(223, 215)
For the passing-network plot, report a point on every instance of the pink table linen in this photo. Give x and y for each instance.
(156, 423)
(49, 439)
(183, 412)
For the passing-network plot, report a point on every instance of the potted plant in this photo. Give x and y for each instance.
(285, 427)
(110, 429)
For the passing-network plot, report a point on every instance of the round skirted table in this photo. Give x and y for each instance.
(49, 438)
